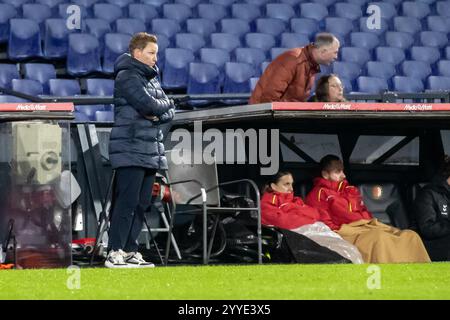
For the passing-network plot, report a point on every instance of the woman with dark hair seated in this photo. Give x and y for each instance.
(329, 88)
(280, 208)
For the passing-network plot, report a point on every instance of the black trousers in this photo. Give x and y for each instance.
(132, 198)
(438, 249)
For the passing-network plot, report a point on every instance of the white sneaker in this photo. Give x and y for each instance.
(135, 259)
(115, 259)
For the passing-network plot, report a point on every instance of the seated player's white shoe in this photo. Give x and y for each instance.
(115, 259)
(135, 259)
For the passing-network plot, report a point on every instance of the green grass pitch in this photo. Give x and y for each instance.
(279, 282)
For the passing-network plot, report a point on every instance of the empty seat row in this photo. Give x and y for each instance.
(45, 75)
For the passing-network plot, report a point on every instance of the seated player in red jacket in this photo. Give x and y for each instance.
(280, 208)
(377, 242)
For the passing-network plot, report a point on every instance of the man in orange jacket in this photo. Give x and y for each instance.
(291, 75)
(349, 217)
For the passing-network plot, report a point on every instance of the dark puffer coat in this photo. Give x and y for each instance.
(431, 210)
(135, 139)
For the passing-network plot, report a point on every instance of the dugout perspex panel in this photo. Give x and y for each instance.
(35, 186)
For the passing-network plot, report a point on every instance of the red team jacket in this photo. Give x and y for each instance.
(342, 203)
(285, 211)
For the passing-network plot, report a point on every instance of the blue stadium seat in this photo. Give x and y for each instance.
(348, 70)
(89, 110)
(447, 53)
(293, 40)
(27, 86)
(80, 117)
(426, 54)
(372, 85)
(167, 27)
(108, 12)
(264, 66)
(17, 4)
(123, 4)
(416, 69)
(98, 28)
(388, 54)
(400, 40)
(387, 10)
(258, 2)
(88, 4)
(203, 78)
(24, 39)
(438, 83)
(252, 56)
(326, 3)
(366, 25)
(362, 3)
(305, 25)
(407, 84)
(430, 2)
(364, 40)
(203, 27)
(235, 26)
(211, 11)
(260, 41)
(217, 57)
(64, 87)
(7, 11)
(314, 11)
(443, 8)
(245, 11)
(99, 87)
(281, 11)
(163, 43)
(177, 11)
(83, 55)
(433, 39)
(253, 82)
(270, 26)
(275, 52)
(348, 10)
(416, 9)
(104, 116)
(347, 83)
(438, 23)
(41, 72)
(237, 77)
(56, 39)
(176, 68)
(355, 55)
(38, 13)
(226, 41)
(66, 10)
(378, 69)
(158, 4)
(191, 41)
(294, 3)
(130, 26)
(443, 68)
(190, 3)
(407, 24)
(8, 72)
(225, 3)
(339, 26)
(10, 99)
(143, 12)
(115, 45)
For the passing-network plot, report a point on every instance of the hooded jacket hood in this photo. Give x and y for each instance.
(127, 62)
